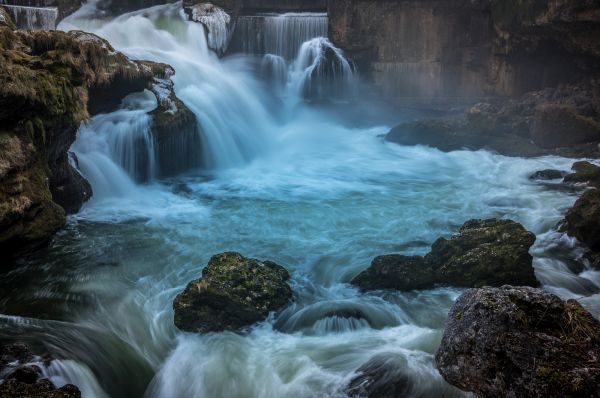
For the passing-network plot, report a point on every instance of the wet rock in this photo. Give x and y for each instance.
(396, 272)
(520, 342)
(583, 219)
(22, 376)
(382, 377)
(234, 292)
(484, 253)
(548, 174)
(50, 82)
(6, 20)
(561, 126)
(585, 173)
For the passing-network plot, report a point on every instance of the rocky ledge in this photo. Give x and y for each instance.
(50, 82)
(21, 375)
(520, 342)
(484, 253)
(234, 292)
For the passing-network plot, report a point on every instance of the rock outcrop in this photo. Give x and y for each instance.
(21, 375)
(483, 253)
(234, 292)
(583, 219)
(520, 342)
(50, 82)
(584, 173)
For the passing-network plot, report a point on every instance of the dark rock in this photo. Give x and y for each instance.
(548, 174)
(23, 380)
(484, 253)
(382, 377)
(561, 126)
(520, 342)
(583, 219)
(6, 20)
(396, 272)
(234, 292)
(586, 173)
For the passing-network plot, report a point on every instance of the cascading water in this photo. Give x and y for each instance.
(300, 188)
(277, 34)
(26, 17)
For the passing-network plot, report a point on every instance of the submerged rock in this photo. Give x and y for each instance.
(234, 292)
(583, 219)
(548, 174)
(484, 253)
(520, 342)
(382, 377)
(585, 173)
(21, 375)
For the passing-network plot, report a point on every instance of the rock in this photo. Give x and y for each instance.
(234, 292)
(548, 174)
(382, 377)
(586, 173)
(520, 342)
(484, 253)
(396, 272)
(50, 82)
(6, 20)
(217, 22)
(176, 131)
(583, 219)
(23, 380)
(561, 126)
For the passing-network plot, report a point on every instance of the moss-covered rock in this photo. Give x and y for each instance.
(584, 173)
(484, 253)
(583, 219)
(50, 82)
(520, 342)
(234, 292)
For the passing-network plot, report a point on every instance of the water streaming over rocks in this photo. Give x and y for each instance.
(286, 181)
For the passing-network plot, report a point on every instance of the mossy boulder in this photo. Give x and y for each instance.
(583, 219)
(21, 378)
(484, 253)
(234, 292)
(520, 342)
(50, 82)
(6, 20)
(584, 173)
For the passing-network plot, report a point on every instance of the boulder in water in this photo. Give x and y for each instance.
(382, 377)
(217, 22)
(584, 173)
(583, 219)
(21, 379)
(234, 292)
(484, 253)
(520, 342)
(548, 174)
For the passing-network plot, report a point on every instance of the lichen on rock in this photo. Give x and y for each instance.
(520, 342)
(234, 292)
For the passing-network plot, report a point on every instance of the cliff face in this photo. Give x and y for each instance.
(46, 78)
(459, 48)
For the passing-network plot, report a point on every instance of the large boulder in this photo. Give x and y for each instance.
(234, 292)
(22, 375)
(50, 82)
(520, 342)
(584, 173)
(583, 219)
(484, 253)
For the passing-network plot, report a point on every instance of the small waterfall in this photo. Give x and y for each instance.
(278, 34)
(218, 25)
(26, 17)
(274, 70)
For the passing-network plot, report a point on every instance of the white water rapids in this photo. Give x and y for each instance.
(285, 181)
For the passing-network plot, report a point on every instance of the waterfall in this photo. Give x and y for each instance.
(278, 34)
(26, 17)
(218, 25)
